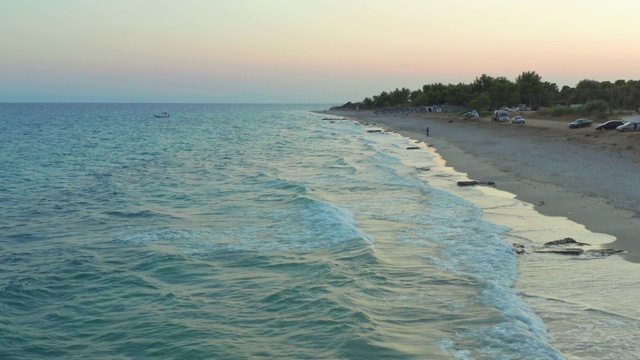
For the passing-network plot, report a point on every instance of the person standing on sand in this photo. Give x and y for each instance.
(427, 131)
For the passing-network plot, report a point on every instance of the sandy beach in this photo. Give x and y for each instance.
(585, 175)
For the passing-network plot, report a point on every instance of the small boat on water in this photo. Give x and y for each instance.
(163, 114)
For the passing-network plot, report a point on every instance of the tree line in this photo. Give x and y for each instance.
(487, 92)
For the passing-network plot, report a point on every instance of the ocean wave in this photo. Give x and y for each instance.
(241, 232)
(290, 186)
(142, 214)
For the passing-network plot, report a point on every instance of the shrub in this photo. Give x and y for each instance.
(596, 107)
(544, 112)
(562, 110)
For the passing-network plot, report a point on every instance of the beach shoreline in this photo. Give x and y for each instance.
(576, 175)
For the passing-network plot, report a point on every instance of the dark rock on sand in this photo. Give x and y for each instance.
(565, 241)
(475, 182)
(562, 251)
(558, 247)
(604, 252)
(576, 251)
(518, 249)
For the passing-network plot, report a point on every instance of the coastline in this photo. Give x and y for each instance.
(559, 172)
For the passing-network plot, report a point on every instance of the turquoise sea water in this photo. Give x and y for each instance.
(241, 232)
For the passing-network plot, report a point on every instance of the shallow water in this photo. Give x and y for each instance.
(263, 231)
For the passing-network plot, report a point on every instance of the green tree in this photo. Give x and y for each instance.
(611, 93)
(415, 96)
(504, 92)
(480, 102)
(368, 103)
(382, 100)
(436, 93)
(566, 94)
(530, 86)
(482, 84)
(587, 90)
(631, 99)
(459, 94)
(616, 97)
(420, 100)
(549, 91)
(399, 97)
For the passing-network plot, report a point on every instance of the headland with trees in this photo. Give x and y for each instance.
(487, 93)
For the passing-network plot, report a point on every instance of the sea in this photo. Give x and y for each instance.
(253, 231)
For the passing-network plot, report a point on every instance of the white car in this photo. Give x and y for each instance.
(629, 126)
(472, 113)
(501, 116)
(517, 120)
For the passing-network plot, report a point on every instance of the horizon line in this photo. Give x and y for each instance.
(168, 103)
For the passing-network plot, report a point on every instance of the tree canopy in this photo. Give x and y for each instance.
(487, 92)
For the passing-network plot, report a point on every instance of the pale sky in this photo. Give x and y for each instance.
(314, 51)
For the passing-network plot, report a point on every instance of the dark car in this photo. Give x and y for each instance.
(609, 125)
(580, 123)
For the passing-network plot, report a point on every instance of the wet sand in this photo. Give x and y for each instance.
(590, 177)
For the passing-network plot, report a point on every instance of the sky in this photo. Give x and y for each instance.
(302, 51)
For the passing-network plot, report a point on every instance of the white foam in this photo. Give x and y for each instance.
(601, 293)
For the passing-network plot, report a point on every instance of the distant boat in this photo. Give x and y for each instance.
(163, 114)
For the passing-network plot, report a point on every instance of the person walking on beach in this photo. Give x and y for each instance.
(427, 131)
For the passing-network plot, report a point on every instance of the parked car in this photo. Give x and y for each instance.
(580, 123)
(500, 115)
(514, 109)
(517, 120)
(472, 113)
(609, 125)
(629, 126)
